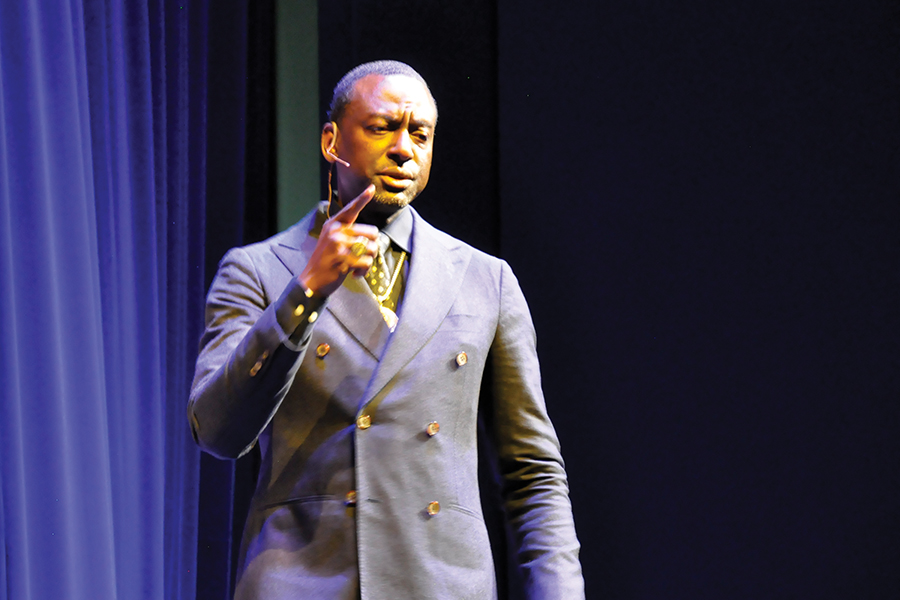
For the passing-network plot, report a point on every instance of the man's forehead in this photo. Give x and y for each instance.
(392, 93)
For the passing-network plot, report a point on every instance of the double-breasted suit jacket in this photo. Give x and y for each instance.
(357, 496)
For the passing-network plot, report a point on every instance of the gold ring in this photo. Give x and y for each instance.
(358, 248)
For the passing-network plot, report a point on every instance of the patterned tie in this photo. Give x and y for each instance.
(383, 281)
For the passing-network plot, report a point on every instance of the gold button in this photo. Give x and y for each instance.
(432, 428)
(255, 368)
(264, 355)
(350, 499)
(363, 421)
(433, 508)
(461, 359)
(322, 349)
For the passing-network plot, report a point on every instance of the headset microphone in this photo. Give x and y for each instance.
(335, 157)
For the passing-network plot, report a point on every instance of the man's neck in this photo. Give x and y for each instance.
(379, 216)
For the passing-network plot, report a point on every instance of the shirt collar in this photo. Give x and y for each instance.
(399, 229)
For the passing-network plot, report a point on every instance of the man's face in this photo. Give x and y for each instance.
(386, 134)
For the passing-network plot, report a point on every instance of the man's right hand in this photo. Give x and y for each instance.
(337, 253)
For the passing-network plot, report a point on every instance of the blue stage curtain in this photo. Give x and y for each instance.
(102, 178)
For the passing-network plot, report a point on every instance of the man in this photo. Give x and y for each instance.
(353, 348)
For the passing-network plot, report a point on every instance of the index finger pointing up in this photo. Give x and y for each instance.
(349, 213)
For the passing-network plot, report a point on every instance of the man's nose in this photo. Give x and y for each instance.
(401, 150)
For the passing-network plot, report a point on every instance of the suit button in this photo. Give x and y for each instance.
(432, 428)
(461, 359)
(350, 499)
(433, 508)
(322, 349)
(363, 421)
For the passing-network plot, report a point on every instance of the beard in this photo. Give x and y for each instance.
(395, 200)
(383, 207)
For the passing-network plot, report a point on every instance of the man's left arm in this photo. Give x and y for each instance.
(534, 484)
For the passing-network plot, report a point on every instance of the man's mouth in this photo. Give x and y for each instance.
(396, 180)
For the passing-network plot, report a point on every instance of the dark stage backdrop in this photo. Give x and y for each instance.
(700, 199)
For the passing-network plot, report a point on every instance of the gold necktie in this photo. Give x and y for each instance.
(383, 282)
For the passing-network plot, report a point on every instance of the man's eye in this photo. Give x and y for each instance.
(421, 136)
(377, 128)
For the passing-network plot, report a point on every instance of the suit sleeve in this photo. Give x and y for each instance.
(534, 484)
(247, 359)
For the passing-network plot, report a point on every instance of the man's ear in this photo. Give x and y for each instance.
(329, 139)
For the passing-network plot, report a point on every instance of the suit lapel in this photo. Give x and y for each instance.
(354, 307)
(351, 304)
(435, 276)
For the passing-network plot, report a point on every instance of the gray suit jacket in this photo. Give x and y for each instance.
(304, 537)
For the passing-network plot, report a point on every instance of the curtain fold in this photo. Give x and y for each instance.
(102, 178)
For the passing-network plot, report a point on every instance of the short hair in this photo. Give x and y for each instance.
(343, 91)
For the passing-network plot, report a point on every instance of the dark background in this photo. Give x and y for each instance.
(700, 201)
